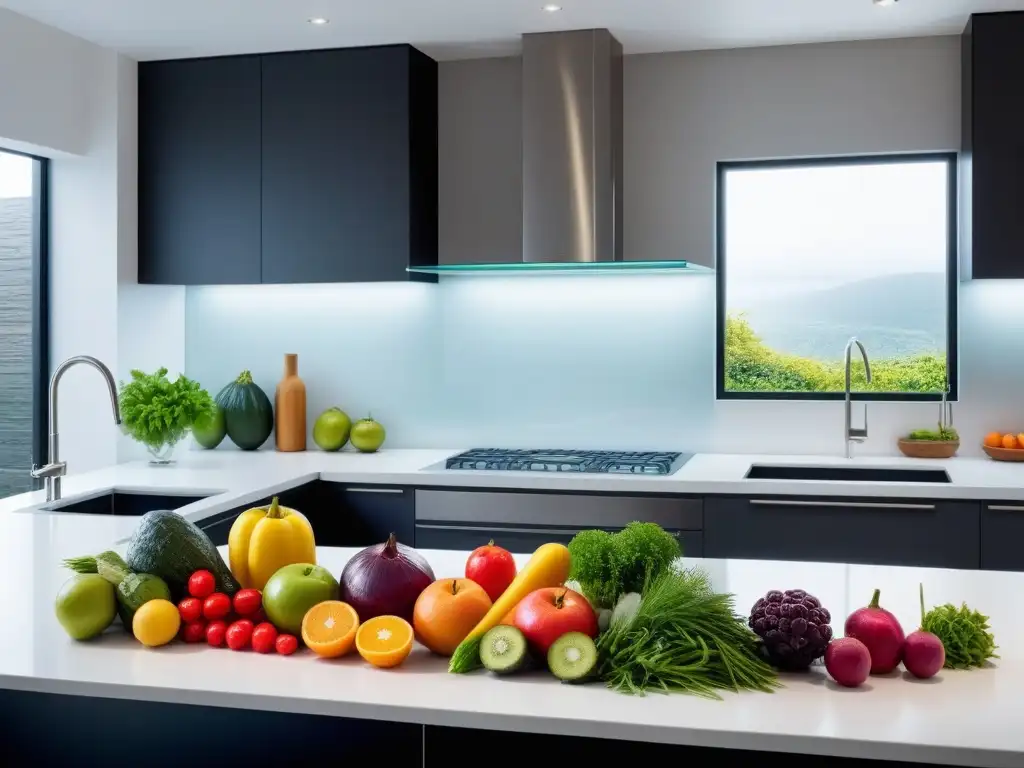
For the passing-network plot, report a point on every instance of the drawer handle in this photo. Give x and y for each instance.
(486, 528)
(1004, 508)
(847, 504)
(375, 490)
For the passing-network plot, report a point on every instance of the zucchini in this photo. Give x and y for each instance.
(169, 546)
(248, 414)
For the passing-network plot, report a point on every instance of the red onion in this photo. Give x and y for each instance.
(385, 579)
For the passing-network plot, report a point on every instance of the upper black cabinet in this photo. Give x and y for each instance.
(314, 166)
(992, 228)
(199, 171)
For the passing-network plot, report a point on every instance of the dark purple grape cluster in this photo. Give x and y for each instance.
(793, 627)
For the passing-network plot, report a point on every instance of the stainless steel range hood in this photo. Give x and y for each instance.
(572, 160)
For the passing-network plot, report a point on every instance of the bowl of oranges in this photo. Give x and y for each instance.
(1004, 447)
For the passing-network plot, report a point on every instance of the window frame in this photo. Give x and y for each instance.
(951, 159)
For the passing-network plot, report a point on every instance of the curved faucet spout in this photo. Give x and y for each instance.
(850, 434)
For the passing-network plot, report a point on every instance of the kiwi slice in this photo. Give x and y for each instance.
(503, 649)
(572, 656)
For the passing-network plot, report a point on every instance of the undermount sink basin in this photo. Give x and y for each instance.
(856, 474)
(121, 503)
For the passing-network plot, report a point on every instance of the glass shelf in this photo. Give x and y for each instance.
(563, 268)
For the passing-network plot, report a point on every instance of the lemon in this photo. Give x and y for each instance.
(156, 623)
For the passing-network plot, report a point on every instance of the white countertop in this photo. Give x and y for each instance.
(965, 718)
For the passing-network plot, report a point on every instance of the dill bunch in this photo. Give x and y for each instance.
(684, 638)
(964, 634)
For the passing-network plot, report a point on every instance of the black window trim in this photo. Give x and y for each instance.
(952, 273)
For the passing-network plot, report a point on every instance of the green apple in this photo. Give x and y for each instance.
(210, 428)
(367, 435)
(293, 590)
(85, 605)
(331, 429)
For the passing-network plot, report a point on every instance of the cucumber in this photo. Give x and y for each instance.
(572, 657)
(503, 649)
(169, 546)
(135, 590)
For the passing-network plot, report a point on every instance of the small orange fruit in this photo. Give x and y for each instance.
(329, 628)
(994, 440)
(1020, 440)
(1010, 441)
(384, 641)
(446, 611)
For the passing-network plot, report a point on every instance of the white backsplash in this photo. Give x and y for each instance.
(591, 361)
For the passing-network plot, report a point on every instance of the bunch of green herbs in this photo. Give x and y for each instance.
(942, 434)
(964, 634)
(683, 638)
(156, 411)
(607, 565)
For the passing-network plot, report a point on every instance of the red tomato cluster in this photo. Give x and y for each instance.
(240, 623)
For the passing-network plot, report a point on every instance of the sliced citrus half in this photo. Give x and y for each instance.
(384, 641)
(329, 628)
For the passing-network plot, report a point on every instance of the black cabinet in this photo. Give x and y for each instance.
(992, 229)
(349, 164)
(1002, 531)
(870, 531)
(199, 171)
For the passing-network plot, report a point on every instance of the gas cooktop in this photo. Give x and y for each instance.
(560, 460)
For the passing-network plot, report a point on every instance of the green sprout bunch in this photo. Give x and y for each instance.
(156, 411)
(964, 634)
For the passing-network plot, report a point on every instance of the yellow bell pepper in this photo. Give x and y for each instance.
(264, 539)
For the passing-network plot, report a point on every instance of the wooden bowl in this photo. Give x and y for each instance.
(929, 449)
(1004, 454)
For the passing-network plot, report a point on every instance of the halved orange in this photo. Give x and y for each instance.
(329, 628)
(384, 641)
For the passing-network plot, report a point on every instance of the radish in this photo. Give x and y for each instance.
(880, 632)
(923, 652)
(848, 661)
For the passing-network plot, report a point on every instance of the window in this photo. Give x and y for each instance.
(24, 362)
(814, 252)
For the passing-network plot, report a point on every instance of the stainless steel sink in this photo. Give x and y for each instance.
(855, 474)
(123, 503)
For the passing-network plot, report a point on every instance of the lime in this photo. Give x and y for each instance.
(85, 605)
(331, 430)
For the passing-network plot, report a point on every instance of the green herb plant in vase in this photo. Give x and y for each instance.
(158, 412)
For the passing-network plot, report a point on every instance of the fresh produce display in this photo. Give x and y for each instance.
(545, 615)
(367, 435)
(607, 565)
(848, 661)
(384, 641)
(964, 634)
(265, 539)
(503, 649)
(793, 627)
(548, 567)
(156, 623)
(238, 634)
(446, 611)
(167, 545)
(331, 430)
(248, 414)
(329, 628)
(385, 579)
(158, 412)
(132, 589)
(264, 637)
(295, 589)
(923, 652)
(572, 657)
(880, 632)
(85, 605)
(210, 429)
(683, 638)
(492, 567)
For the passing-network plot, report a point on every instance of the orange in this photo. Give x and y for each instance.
(446, 611)
(510, 617)
(384, 641)
(329, 628)
(1010, 441)
(994, 440)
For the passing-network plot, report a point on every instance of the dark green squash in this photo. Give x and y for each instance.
(248, 414)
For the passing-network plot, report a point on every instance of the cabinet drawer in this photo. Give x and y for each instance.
(870, 531)
(1002, 530)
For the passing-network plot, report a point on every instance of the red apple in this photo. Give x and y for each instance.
(545, 615)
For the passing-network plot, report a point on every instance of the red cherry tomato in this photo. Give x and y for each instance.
(201, 584)
(216, 606)
(190, 609)
(493, 568)
(286, 645)
(264, 637)
(239, 634)
(257, 618)
(247, 601)
(194, 632)
(215, 632)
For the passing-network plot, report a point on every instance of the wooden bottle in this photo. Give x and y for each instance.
(290, 408)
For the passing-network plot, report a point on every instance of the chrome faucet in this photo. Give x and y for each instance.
(851, 434)
(53, 471)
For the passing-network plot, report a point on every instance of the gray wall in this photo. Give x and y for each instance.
(683, 113)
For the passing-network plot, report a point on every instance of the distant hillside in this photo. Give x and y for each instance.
(907, 315)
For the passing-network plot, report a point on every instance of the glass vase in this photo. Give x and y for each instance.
(161, 455)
